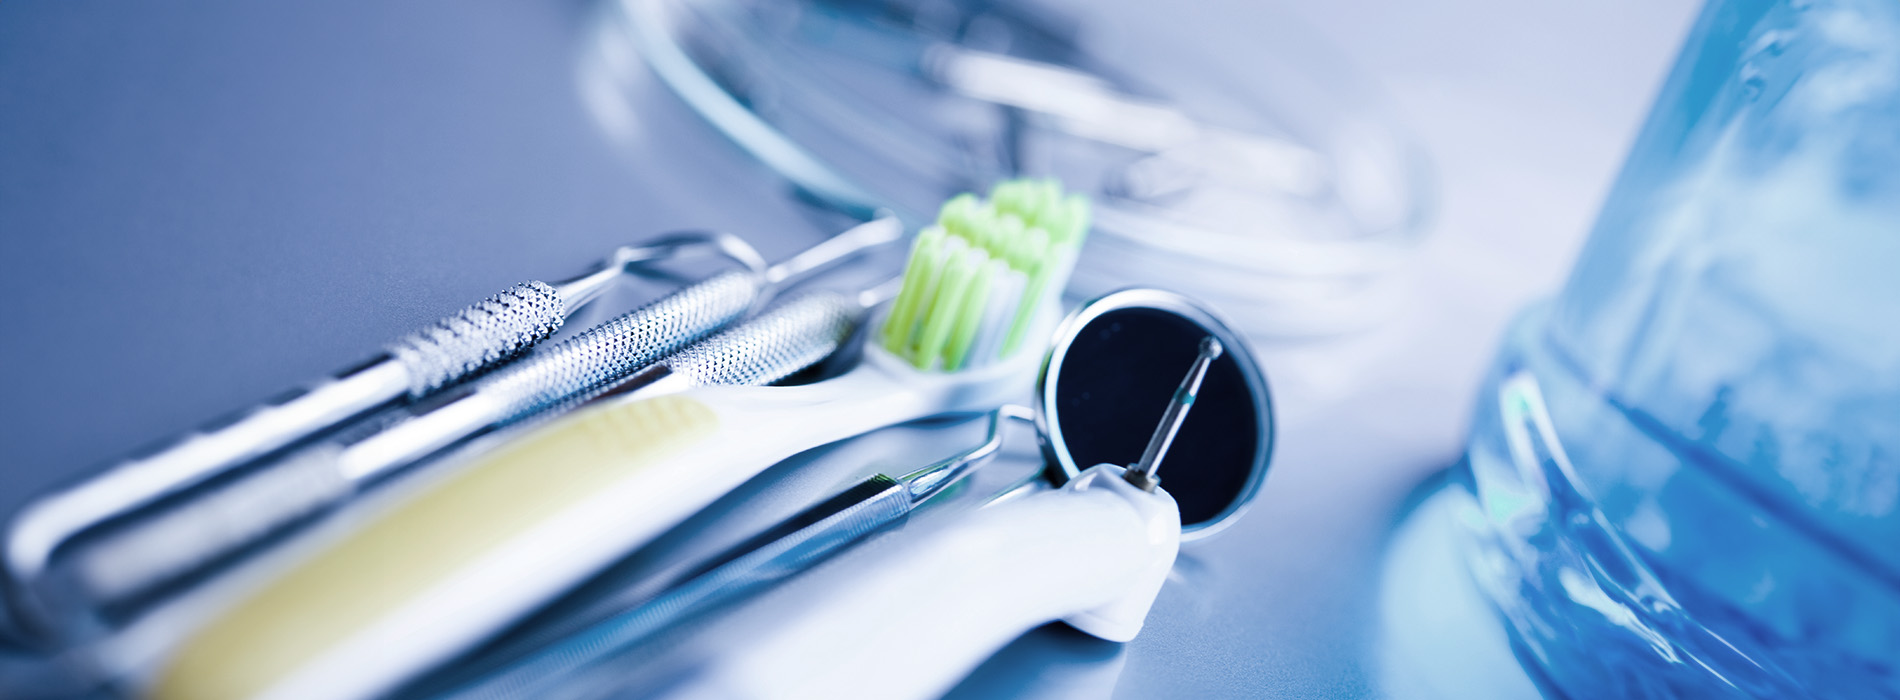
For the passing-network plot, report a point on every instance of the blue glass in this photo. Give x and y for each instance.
(1685, 469)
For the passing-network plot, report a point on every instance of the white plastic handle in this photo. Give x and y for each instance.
(464, 557)
(916, 615)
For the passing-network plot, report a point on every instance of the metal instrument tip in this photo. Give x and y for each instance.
(1142, 473)
(1211, 348)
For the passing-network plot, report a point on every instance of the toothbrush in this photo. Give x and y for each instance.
(909, 620)
(871, 506)
(134, 562)
(790, 336)
(443, 571)
(457, 347)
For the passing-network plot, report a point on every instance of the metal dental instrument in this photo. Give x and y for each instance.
(135, 561)
(785, 338)
(548, 660)
(909, 618)
(457, 347)
(780, 341)
(871, 506)
(1142, 473)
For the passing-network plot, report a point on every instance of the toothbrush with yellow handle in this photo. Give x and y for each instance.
(438, 574)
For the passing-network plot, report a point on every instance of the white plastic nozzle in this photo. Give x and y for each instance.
(908, 619)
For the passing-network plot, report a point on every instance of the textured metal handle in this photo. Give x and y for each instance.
(178, 542)
(474, 339)
(572, 370)
(784, 339)
(482, 335)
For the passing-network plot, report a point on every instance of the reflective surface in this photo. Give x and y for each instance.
(201, 206)
(1108, 382)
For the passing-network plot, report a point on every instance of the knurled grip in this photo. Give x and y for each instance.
(604, 354)
(788, 337)
(182, 540)
(479, 336)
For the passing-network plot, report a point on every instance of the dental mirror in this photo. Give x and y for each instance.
(1113, 367)
(1135, 380)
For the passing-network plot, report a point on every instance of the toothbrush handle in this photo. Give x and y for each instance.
(911, 617)
(777, 553)
(547, 661)
(499, 536)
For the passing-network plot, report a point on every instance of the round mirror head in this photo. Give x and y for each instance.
(1110, 374)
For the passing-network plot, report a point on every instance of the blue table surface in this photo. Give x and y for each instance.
(202, 204)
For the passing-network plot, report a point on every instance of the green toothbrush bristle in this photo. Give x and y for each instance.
(979, 276)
